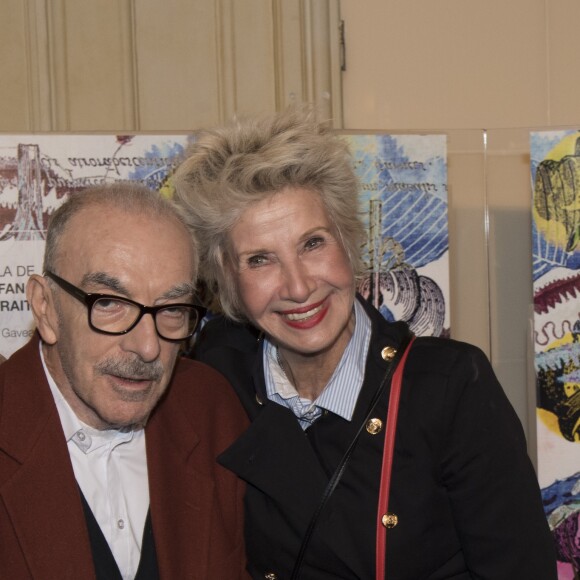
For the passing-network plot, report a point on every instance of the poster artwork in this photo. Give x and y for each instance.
(555, 169)
(404, 206)
(404, 201)
(37, 173)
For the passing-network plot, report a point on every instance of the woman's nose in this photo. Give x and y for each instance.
(298, 282)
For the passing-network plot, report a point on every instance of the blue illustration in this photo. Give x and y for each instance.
(404, 206)
(562, 506)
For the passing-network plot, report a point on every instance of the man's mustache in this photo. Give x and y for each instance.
(133, 368)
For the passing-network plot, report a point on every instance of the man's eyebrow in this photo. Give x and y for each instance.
(106, 280)
(114, 284)
(179, 291)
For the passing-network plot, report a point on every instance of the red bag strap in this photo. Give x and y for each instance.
(386, 469)
(338, 472)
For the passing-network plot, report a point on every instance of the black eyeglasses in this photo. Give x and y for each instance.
(115, 315)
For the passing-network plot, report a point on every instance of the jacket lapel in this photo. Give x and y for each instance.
(37, 483)
(274, 455)
(178, 491)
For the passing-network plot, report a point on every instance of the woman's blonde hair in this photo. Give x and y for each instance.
(230, 168)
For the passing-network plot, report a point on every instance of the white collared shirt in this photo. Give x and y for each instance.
(340, 394)
(111, 469)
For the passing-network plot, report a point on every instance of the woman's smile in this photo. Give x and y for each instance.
(294, 278)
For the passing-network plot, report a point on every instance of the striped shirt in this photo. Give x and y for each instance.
(340, 394)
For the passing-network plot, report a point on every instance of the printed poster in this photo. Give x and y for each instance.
(37, 173)
(404, 205)
(403, 199)
(555, 172)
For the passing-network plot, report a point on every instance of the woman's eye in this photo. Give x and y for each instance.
(314, 242)
(255, 261)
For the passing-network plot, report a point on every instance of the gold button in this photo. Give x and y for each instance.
(390, 520)
(271, 576)
(259, 399)
(388, 353)
(374, 426)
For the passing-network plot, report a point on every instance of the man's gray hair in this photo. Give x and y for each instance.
(125, 196)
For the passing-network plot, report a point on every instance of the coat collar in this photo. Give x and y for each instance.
(37, 484)
(383, 334)
(274, 455)
(180, 490)
(41, 495)
(275, 432)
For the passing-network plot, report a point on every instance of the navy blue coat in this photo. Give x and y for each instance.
(463, 487)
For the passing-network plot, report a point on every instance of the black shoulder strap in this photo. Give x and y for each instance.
(337, 475)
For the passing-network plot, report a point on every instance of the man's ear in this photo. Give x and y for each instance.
(41, 300)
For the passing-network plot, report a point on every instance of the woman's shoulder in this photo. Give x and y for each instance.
(228, 347)
(428, 353)
(220, 333)
(444, 355)
(447, 346)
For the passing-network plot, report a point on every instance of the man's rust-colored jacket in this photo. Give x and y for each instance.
(196, 505)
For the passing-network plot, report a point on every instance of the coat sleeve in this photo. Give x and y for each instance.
(492, 486)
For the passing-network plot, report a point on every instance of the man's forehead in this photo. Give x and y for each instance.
(106, 225)
(101, 215)
(119, 245)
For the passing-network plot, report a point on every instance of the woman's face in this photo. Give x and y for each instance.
(293, 275)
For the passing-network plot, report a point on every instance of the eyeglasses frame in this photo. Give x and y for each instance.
(89, 299)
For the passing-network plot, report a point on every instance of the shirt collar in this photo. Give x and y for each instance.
(87, 438)
(342, 390)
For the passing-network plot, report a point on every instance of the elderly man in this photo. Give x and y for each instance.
(107, 448)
